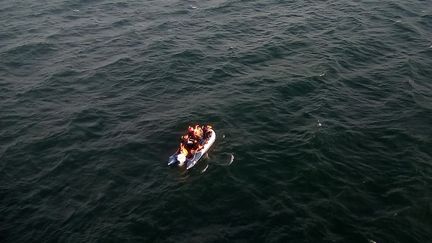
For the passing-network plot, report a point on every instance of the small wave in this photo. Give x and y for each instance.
(223, 160)
(190, 54)
(27, 52)
(231, 159)
(121, 23)
(115, 63)
(205, 169)
(219, 74)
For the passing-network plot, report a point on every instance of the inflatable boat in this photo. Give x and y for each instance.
(190, 162)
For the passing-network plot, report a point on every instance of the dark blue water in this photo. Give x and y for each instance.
(325, 108)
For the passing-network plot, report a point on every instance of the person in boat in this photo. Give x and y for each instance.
(195, 135)
(198, 133)
(186, 141)
(192, 141)
(207, 131)
(191, 132)
(186, 145)
(183, 153)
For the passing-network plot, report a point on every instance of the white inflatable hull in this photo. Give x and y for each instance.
(191, 162)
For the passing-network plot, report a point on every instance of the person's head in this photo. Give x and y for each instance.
(190, 131)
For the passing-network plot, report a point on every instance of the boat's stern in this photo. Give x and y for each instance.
(172, 160)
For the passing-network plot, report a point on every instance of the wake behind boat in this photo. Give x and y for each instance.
(193, 146)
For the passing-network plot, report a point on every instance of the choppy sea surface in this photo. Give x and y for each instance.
(323, 111)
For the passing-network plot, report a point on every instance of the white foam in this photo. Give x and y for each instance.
(205, 169)
(231, 159)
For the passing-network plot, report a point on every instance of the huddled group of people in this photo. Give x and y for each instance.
(194, 140)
